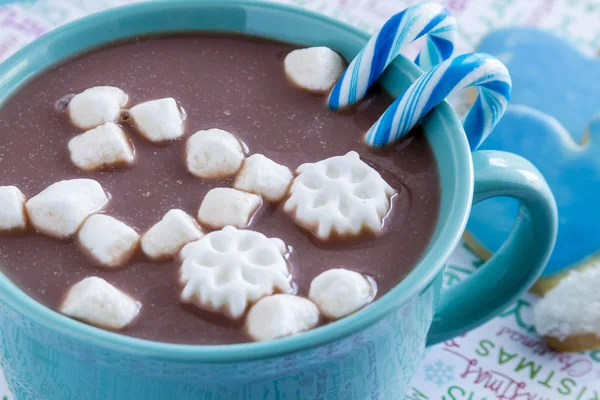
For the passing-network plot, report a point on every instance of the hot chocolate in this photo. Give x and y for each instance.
(234, 84)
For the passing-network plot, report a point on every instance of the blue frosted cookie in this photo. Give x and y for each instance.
(553, 121)
(549, 74)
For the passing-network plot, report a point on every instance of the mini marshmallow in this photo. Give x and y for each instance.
(158, 120)
(59, 210)
(95, 106)
(281, 315)
(225, 206)
(264, 177)
(340, 292)
(108, 241)
(571, 308)
(213, 153)
(315, 69)
(339, 195)
(227, 270)
(170, 234)
(97, 302)
(100, 147)
(12, 209)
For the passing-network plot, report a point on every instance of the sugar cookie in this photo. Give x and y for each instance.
(554, 124)
(568, 317)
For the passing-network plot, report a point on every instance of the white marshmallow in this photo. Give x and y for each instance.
(227, 270)
(264, 177)
(339, 292)
(281, 315)
(108, 241)
(12, 209)
(339, 195)
(213, 153)
(571, 308)
(60, 209)
(95, 106)
(225, 206)
(158, 120)
(315, 68)
(97, 302)
(101, 147)
(170, 234)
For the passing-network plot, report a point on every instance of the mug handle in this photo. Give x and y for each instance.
(518, 263)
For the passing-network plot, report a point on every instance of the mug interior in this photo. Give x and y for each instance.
(284, 23)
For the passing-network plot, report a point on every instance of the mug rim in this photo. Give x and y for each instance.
(419, 278)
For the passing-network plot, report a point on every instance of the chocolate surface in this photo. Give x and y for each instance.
(232, 83)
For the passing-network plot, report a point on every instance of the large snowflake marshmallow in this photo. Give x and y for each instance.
(339, 196)
(228, 270)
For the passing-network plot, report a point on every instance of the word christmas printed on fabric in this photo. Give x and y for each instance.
(503, 360)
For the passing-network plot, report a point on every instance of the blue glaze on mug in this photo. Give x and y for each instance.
(370, 354)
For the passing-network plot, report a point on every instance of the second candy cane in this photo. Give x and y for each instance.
(479, 70)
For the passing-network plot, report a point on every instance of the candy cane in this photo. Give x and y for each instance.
(400, 30)
(474, 69)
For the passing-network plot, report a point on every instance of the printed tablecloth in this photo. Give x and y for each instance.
(504, 359)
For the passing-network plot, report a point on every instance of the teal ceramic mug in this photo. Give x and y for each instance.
(370, 354)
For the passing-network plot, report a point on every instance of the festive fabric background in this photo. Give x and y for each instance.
(504, 359)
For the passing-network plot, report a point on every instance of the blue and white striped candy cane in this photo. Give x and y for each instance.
(399, 31)
(467, 70)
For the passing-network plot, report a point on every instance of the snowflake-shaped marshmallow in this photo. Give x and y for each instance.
(228, 270)
(339, 196)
